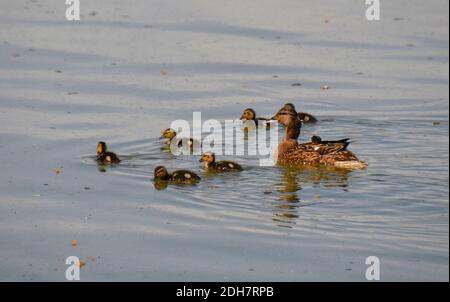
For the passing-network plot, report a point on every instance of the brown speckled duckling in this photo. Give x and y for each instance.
(209, 159)
(306, 118)
(105, 157)
(179, 176)
(250, 115)
(316, 152)
(170, 134)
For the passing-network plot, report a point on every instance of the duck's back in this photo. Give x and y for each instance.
(227, 166)
(328, 153)
(184, 176)
(108, 157)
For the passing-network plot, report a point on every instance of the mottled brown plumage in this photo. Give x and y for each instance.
(250, 115)
(188, 143)
(209, 159)
(316, 152)
(179, 176)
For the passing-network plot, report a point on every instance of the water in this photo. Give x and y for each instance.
(125, 73)
(397, 207)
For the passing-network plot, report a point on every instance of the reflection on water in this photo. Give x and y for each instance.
(289, 201)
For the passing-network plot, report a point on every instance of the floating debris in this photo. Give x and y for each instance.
(81, 263)
(164, 71)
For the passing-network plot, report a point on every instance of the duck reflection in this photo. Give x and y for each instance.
(160, 184)
(288, 201)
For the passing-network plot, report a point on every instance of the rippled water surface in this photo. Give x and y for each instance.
(125, 72)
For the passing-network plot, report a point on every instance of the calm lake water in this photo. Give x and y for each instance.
(125, 72)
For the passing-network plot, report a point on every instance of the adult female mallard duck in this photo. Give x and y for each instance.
(170, 134)
(179, 176)
(316, 152)
(209, 159)
(306, 118)
(105, 157)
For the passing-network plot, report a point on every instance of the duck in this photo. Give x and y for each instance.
(209, 158)
(316, 152)
(105, 157)
(170, 134)
(250, 115)
(306, 118)
(179, 176)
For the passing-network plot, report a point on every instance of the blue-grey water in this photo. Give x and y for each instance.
(126, 72)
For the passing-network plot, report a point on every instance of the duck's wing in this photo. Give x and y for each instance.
(185, 175)
(326, 147)
(227, 165)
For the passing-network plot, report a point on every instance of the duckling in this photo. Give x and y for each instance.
(316, 152)
(179, 176)
(220, 166)
(250, 115)
(306, 118)
(170, 134)
(105, 157)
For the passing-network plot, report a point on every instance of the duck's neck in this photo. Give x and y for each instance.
(291, 134)
(292, 130)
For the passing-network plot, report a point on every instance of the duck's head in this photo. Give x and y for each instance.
(208, 158)
(161, 172)
(101, 148)
(248, 115)
(168, 133)
(286, 116)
